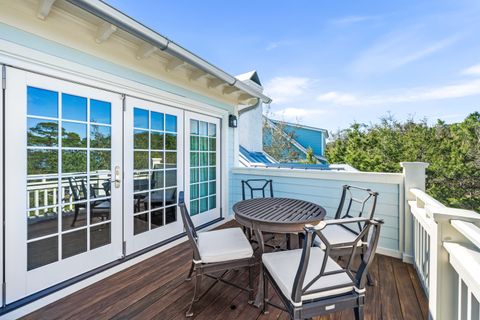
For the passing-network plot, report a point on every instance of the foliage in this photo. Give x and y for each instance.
(310, 157)
(452, 150)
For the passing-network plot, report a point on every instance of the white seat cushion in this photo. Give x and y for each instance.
(336, 234)
(283, 267)
(223, 245)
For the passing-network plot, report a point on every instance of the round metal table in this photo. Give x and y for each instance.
(276, 215)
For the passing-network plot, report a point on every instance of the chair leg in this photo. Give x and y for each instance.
(370, 280)
(196, 294)
(358, 312)
(75, 216)
(190, 272)
(265, 294)
(251, 298)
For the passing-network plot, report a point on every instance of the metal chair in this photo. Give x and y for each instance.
(217, 251)
(310, 283)
(78, 187)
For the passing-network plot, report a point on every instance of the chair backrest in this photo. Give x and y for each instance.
(78, 187)
(356, 202)
(359, 279)
(188, 225)
(262, 186)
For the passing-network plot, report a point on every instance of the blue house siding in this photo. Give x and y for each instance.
(308, 138)
(327, 193)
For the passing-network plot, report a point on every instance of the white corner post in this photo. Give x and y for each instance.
(413, 177)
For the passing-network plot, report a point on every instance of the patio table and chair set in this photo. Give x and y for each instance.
(315, 265)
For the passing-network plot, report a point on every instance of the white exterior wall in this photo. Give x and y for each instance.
(250, 129)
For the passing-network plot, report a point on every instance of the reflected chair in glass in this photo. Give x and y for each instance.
(354, 202)
(310, 283)
(216, 252)
(78, 187)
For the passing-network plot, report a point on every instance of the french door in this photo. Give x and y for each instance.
(202, 160)
(63, 213)
(153, 172)
(92, 176)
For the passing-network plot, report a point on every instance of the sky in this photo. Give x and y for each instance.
(331, 63)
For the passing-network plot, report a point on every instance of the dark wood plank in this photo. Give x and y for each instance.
(155, 289)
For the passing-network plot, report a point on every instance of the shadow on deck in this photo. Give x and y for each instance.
(156, 289)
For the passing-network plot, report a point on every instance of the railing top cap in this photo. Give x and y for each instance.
(414, 164)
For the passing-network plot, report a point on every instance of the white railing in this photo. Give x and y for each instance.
(446, 255)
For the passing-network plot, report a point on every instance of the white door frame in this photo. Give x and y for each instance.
(143, 240)
(21, 282)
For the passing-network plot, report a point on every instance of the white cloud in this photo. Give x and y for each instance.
(398, 49)
(349, 20)
(418, 94)
(287, 89)
(472, 71)
(281, 43)
(297, 114)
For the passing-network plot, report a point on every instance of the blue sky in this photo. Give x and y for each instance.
(330, 63)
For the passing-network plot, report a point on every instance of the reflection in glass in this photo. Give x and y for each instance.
(140, 160)
(203, 144)
(170, 160)
(212, 187)
(74, 189)
(203, 204)
(100, 186)
(74, 135)
(170, 123)
(203, 128)
(170, 178)
(170, 196)
(193, 159)
(42, 161)
(193, 143)
(140, 223)
(203, 159)
(158, 159)
(100, 111)
(42, 192)
(74, 107)
(212, 202)
(194, 175)
(42, 252)
(212, 144)
(100, 235)
(193, 207)
(156, 218)
(194, 191)
(170, 141)
(74, 216)
(157, 199)
(157, 141)
(157, 121)
(212, 129)
(203, 189)
(99, 210)
(41, 102)
(212, 173)
(170, 214)
(140, 139)
(140, 181)
(42, 133)
(42, 222)
(140, 118)
(203, 174)
(157, 180)
(193, 126)
(99, 160)
(74, 161)
(74, 243)
(212, 159)
(140, 202)
(100, 136)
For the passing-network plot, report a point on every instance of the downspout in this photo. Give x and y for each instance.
(111, 15)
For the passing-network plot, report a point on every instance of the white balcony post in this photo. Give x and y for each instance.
(413, 177)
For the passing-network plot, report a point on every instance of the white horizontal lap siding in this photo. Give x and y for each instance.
(327, 192)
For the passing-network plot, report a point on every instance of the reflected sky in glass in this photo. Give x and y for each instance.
(41, 102)
(157, 121)
(74, 134)
(74, 107)
(140, 118)
(100, 111)
(170, 123)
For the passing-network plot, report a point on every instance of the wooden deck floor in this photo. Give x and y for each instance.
(156, 289)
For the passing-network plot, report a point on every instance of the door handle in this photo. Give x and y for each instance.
(117, 177)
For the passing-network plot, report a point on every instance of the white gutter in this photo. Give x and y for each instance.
(126, 23)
